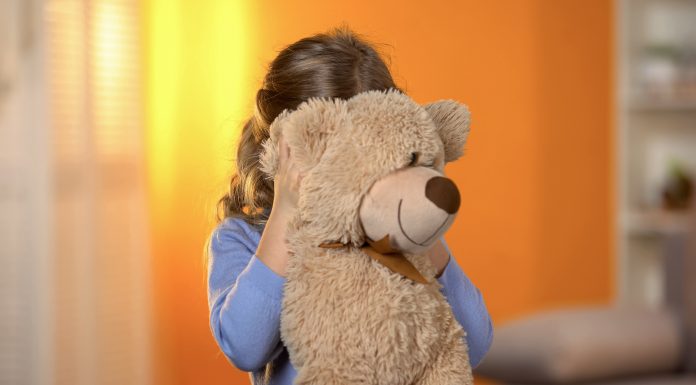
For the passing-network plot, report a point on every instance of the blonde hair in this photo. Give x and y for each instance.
(336, 64)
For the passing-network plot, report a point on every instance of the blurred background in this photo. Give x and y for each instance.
(118, 123)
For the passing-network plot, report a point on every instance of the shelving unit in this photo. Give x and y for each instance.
(656, 120)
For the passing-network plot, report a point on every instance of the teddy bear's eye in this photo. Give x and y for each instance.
(415, 156)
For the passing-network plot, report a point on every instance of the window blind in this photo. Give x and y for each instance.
(74, 298)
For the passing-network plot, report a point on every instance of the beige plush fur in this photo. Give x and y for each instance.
(347, 319)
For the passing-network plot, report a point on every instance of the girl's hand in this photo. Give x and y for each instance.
(439, 257)
(272, 249)
(286, 183)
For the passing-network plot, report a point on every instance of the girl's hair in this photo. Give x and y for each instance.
(337, 64)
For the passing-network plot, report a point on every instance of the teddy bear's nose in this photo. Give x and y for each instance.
(444, 193)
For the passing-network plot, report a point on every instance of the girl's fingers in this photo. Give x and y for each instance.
(287, 170)
(281, 147)
(283, 153)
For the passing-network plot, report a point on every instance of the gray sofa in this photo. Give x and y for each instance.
(607, 345)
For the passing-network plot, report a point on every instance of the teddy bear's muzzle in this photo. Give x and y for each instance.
(413, 206)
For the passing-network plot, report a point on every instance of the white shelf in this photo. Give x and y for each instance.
(656, 128)
(663, 105)
(655, 222)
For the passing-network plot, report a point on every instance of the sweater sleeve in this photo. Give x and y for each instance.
(244, 297)
(468, 308)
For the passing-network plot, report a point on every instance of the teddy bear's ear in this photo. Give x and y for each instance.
(306, 131)
(452, 121)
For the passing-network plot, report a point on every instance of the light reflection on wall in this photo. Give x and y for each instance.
(201, 73)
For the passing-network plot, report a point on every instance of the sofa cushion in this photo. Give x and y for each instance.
(583, 345)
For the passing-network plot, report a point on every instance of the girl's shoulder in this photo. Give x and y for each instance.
(232, 231)
(235, 224)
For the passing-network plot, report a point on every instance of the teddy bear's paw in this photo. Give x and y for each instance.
(449, 370)
(324, 376)
(448, 378)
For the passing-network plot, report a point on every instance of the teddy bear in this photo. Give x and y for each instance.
(361, 302)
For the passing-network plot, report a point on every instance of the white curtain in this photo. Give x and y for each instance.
(25, 329)
(73, 234)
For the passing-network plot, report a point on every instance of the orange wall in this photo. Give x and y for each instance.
(534, 228)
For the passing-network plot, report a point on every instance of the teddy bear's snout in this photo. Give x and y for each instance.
(414, 206)
(443, 193)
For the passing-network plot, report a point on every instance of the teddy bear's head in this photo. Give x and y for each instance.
(372, 167)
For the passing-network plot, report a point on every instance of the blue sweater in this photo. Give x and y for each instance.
(245, 298)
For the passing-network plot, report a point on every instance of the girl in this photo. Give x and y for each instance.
(247, 252)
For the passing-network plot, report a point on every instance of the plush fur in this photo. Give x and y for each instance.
(347, 319)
